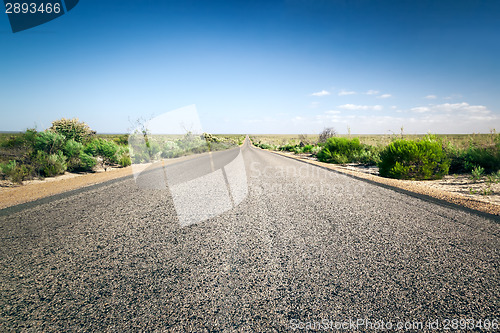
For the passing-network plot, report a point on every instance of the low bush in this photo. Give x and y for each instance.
(369, 155)
(287, 147)
(6, 169)
(340, 150)
(72, 129)
(406, 159)
(72, 148)
(307, 149)
(82, 162)
(23, 140)
(484, 157)
(124, 159)
(107, 150)
(456, 158)
(49, 142)
(466, 160)
(121, 140)
(20, 173)
(49, 165)
(265, 146)
(477, 173)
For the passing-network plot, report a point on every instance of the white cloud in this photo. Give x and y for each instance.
(430, 97)
(385, 96)
(321, 93)
(345, 92)
(456, 108)
(332, 112)
(372, 92)
(421, 109)
(361, 107)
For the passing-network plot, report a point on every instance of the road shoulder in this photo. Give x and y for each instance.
(38, 189)
(419, 188)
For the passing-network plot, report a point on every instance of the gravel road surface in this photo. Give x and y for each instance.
(305, 246)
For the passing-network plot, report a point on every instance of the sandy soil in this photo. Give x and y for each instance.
(11, 194)
(31, 190)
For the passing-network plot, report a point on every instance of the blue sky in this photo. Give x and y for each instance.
(292, 66)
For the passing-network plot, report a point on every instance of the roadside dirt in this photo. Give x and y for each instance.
(31, 190)
(457, 189)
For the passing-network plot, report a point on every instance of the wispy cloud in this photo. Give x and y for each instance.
(361, 107)
(372, 92)
(333, 112)
(457, 109)
(321, 93)
(421, 109)
(453, 96)
(430, 97)
(345, 93)
(314, 105)
(385, 96)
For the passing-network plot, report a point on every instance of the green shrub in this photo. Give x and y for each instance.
(466, 160)
(485, 157)
(82, 162)
(307, 149)
(6, 169)
(107, 150)
(49, 142)
(13, 141)
(20, 173)
(456, 157)
(124, 156)
(87, 162)
(315, 150)
(49, 165)
(288, 147)
(121, 140)
(125, 160)
(154, 149)
(21, 140)
(111, 153)
(72, 129)
(406, 159)
(340, 150)
(72, 148)
(265, 146)
(223, 145)
(368, 156)
(477, 173)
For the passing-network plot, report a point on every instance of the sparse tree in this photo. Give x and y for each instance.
(304, 140)
(328, 132)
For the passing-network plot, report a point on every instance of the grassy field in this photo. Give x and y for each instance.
(458, 140)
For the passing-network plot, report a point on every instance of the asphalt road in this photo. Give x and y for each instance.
(287, 245)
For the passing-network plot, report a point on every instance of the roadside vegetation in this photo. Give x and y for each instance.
(145, 147)
(68, 145)
(415, 157)
(71, 145)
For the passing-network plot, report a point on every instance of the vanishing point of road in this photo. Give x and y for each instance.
(304, 246)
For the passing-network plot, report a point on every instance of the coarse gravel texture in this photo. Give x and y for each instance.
(306, 244)
(456, 189)
(31, 190)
